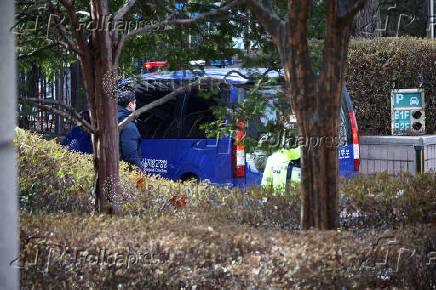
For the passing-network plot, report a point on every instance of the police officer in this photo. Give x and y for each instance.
(281, 167)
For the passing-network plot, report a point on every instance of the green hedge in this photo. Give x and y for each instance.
(373, 67)
(50, 177)
(53, 180)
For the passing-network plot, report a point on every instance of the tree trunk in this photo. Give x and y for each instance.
(319, 183)
(319, 163)
(100, 80)
(106, 142)
(316, 101)
(368, 21)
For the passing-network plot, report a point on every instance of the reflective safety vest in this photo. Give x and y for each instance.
(276, 170)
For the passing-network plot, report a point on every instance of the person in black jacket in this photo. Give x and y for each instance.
(130, 139)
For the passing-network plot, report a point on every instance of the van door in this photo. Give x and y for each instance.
(158, 129)
(206, 158)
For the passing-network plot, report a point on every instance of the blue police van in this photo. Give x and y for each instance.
(174, 146)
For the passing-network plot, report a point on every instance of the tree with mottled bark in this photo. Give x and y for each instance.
(315, 98)
(98, 50)
(368, 21)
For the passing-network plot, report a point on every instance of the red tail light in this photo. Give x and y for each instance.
(238, 154)
(356, 147)
(153, 64)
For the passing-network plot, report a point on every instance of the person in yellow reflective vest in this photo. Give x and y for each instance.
(279, 168)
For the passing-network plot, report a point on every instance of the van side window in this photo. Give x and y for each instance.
(343, 138)
(179, 118)
(161, 121)
(196, 109)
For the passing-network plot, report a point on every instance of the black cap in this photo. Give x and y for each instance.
(125, 97)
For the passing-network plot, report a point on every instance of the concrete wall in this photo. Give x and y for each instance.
(395, 153)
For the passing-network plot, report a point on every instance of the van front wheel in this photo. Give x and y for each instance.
(186, 177)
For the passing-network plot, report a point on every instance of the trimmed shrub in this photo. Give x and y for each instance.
(375, 65)
(73, 251)
(53, 180)
(385, 201)
(50, 177)
(173, 235)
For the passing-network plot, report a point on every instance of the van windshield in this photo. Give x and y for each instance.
(277, 106)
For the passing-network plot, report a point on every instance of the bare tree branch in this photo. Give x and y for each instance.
(37, 51)
(197, 18)
(32, 10)
(267, 17)
(65, 35)
(125, 9)
(161, 4)
(117, 49)
(44, 104)
(75, 27)
(168, 97)
(229, 73)
(236, 72)
(118, 16)
(68, 42)
(347, 9)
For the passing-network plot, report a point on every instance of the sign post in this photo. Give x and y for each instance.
(408, 111)
(420, 159)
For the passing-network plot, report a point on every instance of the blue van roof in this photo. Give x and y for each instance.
(218, 73)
